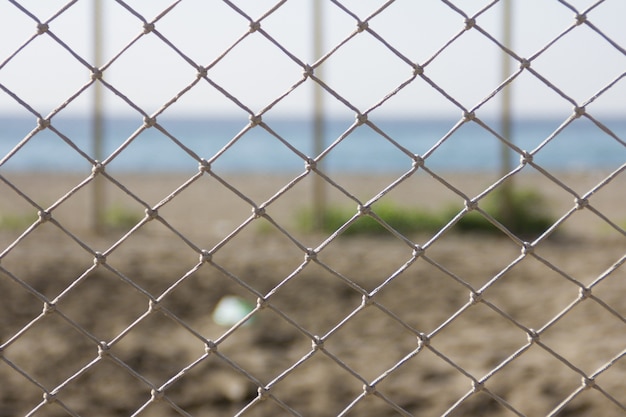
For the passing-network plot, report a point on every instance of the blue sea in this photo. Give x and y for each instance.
(580, 146)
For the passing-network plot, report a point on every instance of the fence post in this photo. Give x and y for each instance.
(506, 195)
(319, 192)
(97, 221)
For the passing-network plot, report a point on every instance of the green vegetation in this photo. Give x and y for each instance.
(114, 217)
(119, 217)
(10, 221)
(527, 217)
(404, 220)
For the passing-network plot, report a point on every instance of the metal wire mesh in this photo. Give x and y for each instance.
(105, 328)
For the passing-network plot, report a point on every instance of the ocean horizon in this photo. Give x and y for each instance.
(582, 145)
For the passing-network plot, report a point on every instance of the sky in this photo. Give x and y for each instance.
(363, 70)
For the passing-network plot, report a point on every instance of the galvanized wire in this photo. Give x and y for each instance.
(155, 305)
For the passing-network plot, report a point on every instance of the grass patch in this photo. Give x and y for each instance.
(404, 220)
(527, 217)
(119, 217)
(526, 214)
(10, 221)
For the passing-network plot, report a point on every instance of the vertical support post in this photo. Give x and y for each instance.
(97, 122)
(319, 192)
(506, 203)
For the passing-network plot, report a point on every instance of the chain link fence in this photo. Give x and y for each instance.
(212, 302)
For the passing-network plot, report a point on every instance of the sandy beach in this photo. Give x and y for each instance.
(403, 322)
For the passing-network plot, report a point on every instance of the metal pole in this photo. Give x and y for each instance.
(505, 152)
(97, 122)
(319, 193)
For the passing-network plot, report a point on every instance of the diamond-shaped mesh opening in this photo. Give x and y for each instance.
(280, 26)
(469, 70)
(285, 341)
(412, 296)
(286, 116)
(608, 26)
(554, 19)
(373, 325)
(15, 37)
(593, 55)
(279, 350)
(258, 149)
(43, 11)
(586, 221)
(204, 137)
(467, 338)
(91, 304)
(194, 298)
(366, 149)
(547, 111)
(416, 136)
(16, 214)
(146, 65)
(497, 252)
(609, 384)
(117, 131)
(141, 154)
(206, 222)
(547, 389)
(607, 289)
(170, 351)
(571, 147)
(616, 125)
(303, 294)
(75, 129)
(112, 382)
(14, 314)
(427, 104)
(319, 385)
(416, 381)
(202, 100)
(353, 66)
(214, 385)
(41, 351)
(419, 191)
(574, 267)
(75, 214)
(256, 85)
(531, 301)
(18, 394)
(579, 344)
(66, 25)
(46, 61)
(588, 400)
(269, 260)
(218, 25)
(15, 128)
(469, 147)
(51, 243)
(440, 25)
(337, 256)
(42, 152)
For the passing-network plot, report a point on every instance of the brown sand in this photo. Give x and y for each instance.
(367, 348)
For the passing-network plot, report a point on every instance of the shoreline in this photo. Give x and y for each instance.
(207, 199)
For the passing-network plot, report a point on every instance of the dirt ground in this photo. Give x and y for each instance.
(365, 327)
